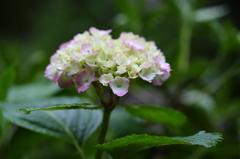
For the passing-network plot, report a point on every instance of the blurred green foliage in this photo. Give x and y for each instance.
(198, 39)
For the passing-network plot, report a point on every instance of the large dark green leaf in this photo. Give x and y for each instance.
(76, 125)
(161, 115)
(124, 147)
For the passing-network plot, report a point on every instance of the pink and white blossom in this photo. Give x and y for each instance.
(95, 56)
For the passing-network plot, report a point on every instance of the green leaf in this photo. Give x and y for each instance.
(28, 110)
(6, 79)
(157, 114)
(124, 147)
(75, 125)
(30, 91)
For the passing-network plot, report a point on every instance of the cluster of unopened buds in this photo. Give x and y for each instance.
(95, 56)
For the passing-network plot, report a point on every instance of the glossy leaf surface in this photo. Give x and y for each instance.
(124, 147)
(76, 125)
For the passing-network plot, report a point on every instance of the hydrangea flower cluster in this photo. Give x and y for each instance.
(94, 55)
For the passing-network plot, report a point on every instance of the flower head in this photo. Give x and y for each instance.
(95, 56)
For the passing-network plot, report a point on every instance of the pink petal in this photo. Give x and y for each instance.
(94, 52)
(165, 66)
(76, 55)
(64, 45)
(57, 76)
(52, 73)
(54, 57)
(97, 32)
(159, 79)
(87, 49)
(81, 37)
(119, 85)
(84, 79)
(65, 81)
(49, 70)
(133, 44)
(165, 76)
(74, 68)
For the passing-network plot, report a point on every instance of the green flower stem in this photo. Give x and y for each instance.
(108, 106)
(103, 132)
(107, 109)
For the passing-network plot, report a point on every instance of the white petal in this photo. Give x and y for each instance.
(121, 69)
(122, 60)
(105, 79)
(147, 74)
(119, 85)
